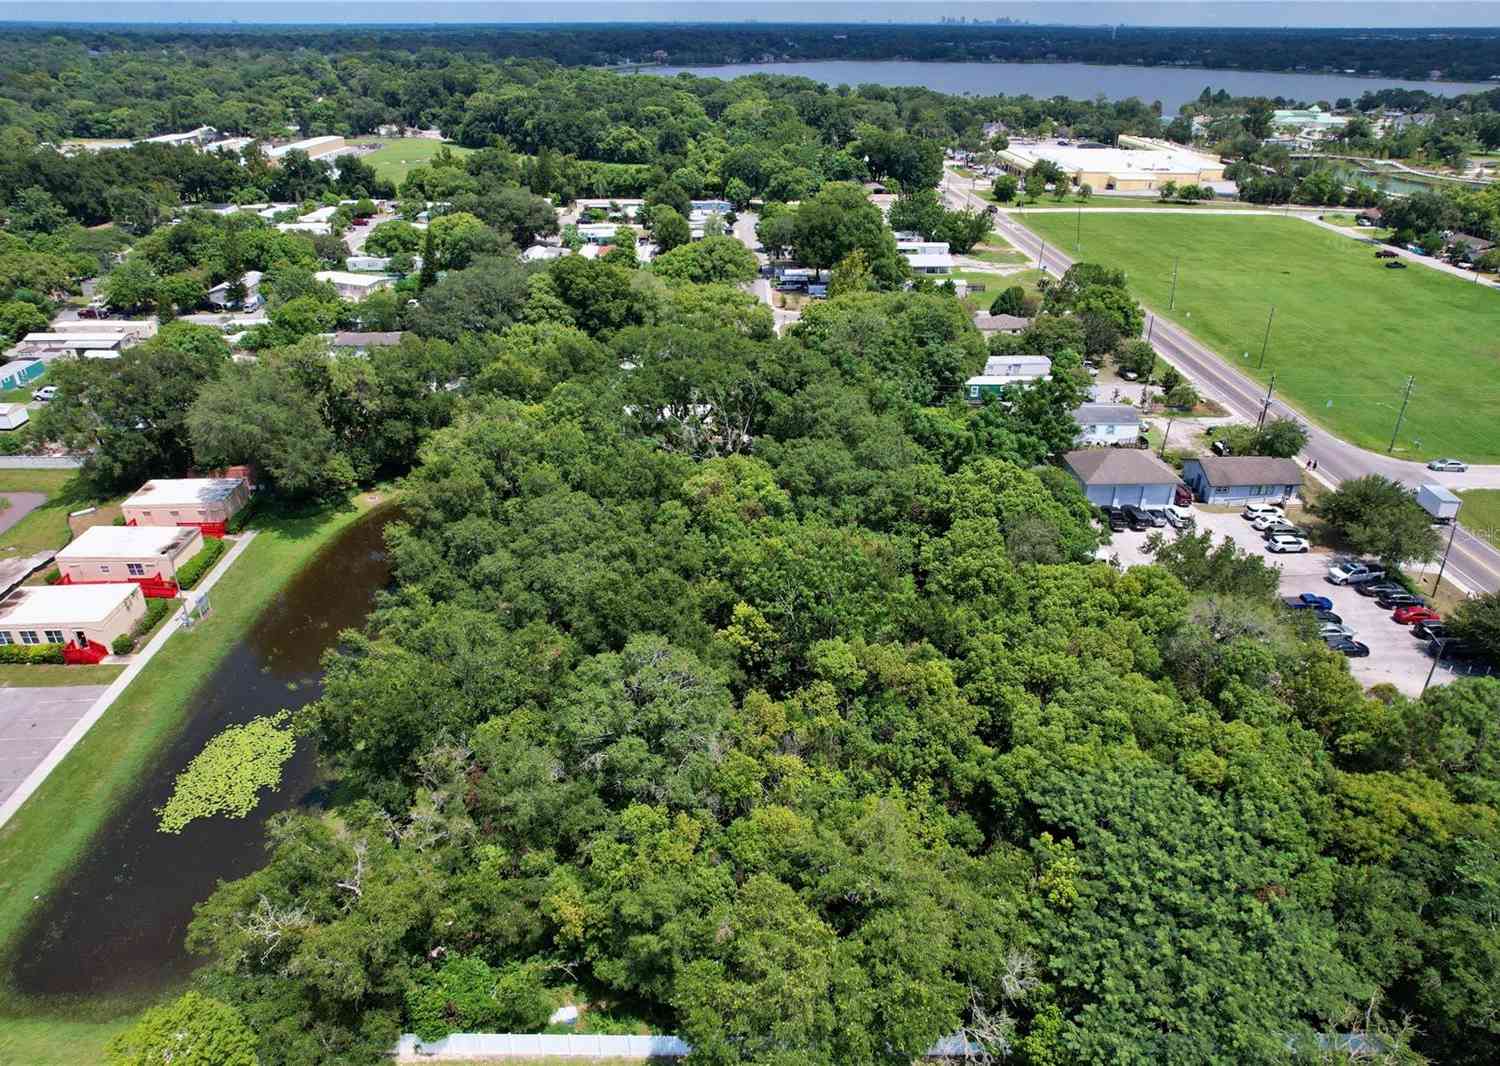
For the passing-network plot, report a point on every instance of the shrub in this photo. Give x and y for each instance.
(31, 653)
(467, 995)
(53, 576)
(124, 644)
(156, 610)
(119, 520)
(192, 571)
(241, 519)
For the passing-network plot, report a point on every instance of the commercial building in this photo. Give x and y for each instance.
(208, 503)
(148, 556)
(1237, 479)
(84, 619)
(1119, 477)
(1108, 423)
(1142, 166)
(1312, 122)
(352, 286)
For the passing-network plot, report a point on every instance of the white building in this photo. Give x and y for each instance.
(219, 294)
(317, 229)
(315, 147)
(1139, 165)
(13, 415)
(352, 286)
(1107, 423)
(322, 214)
(198, 137)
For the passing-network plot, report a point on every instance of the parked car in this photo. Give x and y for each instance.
(1352, 648)
(1386, 253)
(1378, 588)
(1286, 544)
(1137, 517)
(1452, 648)
(1219, 448)
(1309, 600)
(1116, 519)
(88, 312)
(1430, 630)
(1354, 573)
(1253, 511)
(1179, 517)
(1281, 525)
(1328, 616)
(1448, 466)
(45, 393)
(1266, 521)
(1408, 616)
(1335, 629)
(1158, 516)
(1182, 497)
(1391, 600)
(1395, 264)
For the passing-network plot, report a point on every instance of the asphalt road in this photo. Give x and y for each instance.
(1473, 564)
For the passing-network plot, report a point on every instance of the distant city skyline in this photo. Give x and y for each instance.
(1159, 13)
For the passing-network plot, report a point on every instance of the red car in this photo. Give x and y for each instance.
(1416, 613)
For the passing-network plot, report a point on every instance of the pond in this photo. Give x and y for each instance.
(115, 927)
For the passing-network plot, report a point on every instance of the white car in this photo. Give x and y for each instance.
(1253, 511)
(1333, 629)
(1285, 543)
(1354, 573)
(45, 393)
(1448, 466)
(1266, 521)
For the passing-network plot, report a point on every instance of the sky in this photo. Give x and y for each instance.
(1293, 13)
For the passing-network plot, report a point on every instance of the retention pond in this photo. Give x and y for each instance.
(115, 927)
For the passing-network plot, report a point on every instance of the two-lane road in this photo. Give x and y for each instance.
(1473, 564)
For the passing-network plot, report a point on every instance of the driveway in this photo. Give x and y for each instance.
(32, 721)
(21, 505)
(1395, 657)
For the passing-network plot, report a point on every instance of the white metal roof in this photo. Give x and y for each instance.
(41, 605)
(322, 214)
(1121, 161)
(346, 277)
(130, 542)
(73, 340)
(930, 259)
(190, 491)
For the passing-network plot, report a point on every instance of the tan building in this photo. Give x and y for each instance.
(1141, 165)
(149, 556)
(208, 503)
(84, 619)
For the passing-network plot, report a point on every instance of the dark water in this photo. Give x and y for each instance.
(116, 926)
(1173, 86)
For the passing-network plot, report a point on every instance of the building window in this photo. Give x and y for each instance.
(135, 569)
(103, 569)
(174, 514)
(5, 638)
(28, 636)
(55, 636)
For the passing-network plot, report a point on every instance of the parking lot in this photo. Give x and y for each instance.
(32, 721)
(1395, 655)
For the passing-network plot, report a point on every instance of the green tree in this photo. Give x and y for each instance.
(131, 286)
(192, 1030)
(852, 274)
(708, 261)
(467, 995)
(1378, 517)
(1005, 188)
(1193, 559)
(1477, 620)
(1035, 185)
(668, 228)
(1010, 301)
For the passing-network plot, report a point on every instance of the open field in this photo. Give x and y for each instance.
(47, 526)
(1480, 514)
(48, 834)
(1346, 332)
(396, 156)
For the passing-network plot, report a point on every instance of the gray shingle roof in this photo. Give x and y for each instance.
(1250, 470)
(1119, 466)
(1116, 413)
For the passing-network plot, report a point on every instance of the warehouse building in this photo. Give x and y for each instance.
(1142, 166)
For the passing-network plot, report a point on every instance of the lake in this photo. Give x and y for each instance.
(115, 926)
(1173, 86)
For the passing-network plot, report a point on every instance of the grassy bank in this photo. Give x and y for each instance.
(1346, 332)
(39, 845)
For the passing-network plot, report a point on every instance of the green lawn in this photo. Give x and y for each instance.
(53, 675)
(39, 844)
(397, 155)
(47, 526)
(1346, 332)
(1480, 513)
(23, 394)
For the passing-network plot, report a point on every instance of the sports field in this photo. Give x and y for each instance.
(1346, 331)
(396, 156)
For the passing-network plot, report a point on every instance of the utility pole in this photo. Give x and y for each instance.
(1172, 302)
(1267, 341)
(1266, 404)
(1452, 532)
(1078, 236)
(1405, 399)
(1150, 326)
(1039, 253)
(1164, 436)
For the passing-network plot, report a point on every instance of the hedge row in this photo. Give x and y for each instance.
(31, 653)
(191, 572)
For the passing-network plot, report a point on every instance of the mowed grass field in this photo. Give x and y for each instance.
(396, 156)
(1346, 332)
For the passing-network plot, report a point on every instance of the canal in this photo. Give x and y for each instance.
(115, 927)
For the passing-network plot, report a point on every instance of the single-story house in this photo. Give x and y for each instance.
(597, 232)
(314, 147)
(1465, 247)
(990, 324)
(13, 415)
(208, 503)
(84, 619)
(1107, 423)
(149, 556)
(137, 329)
(219, 294)
(20, 372)
(1018, 367)
(930, 263)
(352, 286)
(539, 253)
(1117, 477)
(322, 214)
(376, 264)
(52, 345)
(362, 342)
(1236, 479)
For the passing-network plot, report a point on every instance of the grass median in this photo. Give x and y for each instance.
(1346, 332)
(50, 832)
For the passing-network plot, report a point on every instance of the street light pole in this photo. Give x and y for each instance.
(1150, 326)
(1452, 532)
(1039, 253)
(1172, 301)
(1266, 405)
(1264, 344)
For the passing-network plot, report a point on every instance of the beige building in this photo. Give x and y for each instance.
(85, 619)
(1139, 165)
(352, 286)
(147, 555)
(208, 503)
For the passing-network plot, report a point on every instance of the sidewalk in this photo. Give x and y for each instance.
(107, 698)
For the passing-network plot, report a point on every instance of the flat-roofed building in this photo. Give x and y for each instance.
(50, 345)
(135, 328)
(315, 147)
(84, 619)
(208, 503)
(352, 286)
(149, 556)
(1125, 169)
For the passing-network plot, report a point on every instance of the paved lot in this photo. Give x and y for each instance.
(32, 721)
(1395, 656)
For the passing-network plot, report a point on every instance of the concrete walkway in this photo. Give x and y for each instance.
(49, 760)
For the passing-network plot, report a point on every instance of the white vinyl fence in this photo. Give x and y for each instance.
(40, 462)
(462, 1046)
